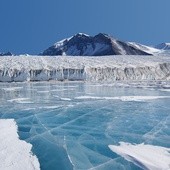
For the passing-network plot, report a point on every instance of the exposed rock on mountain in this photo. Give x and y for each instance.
(99, 45)
(6, 54)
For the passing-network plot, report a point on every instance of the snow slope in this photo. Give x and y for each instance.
(15, 154)
(145, 48)
(163, 46)
(110, 68)
(159, 50)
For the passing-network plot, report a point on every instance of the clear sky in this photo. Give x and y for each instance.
(30, 26)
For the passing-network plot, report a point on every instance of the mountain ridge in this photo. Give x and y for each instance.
(99, 45)
(163, 46)
(6, 54)
(102, 44)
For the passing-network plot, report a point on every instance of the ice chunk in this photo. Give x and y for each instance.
(15, 154)
(145, 156)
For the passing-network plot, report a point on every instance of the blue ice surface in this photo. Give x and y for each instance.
(71, 133)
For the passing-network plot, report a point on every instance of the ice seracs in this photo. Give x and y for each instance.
(93, 69)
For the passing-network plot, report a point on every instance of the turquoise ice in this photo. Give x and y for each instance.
(70, 125)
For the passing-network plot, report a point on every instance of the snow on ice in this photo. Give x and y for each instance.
(145, 156)
(15, 154)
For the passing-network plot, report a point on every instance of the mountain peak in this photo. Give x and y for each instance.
(6, 54)
(81, 35)
(103, 35)
(167, 44)
(163, 46)
(99, 45)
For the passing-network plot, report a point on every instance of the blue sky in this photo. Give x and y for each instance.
(30, 26)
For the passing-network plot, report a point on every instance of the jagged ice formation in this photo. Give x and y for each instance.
(110, 68)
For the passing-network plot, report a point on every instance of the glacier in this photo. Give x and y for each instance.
(71, 124)
(90, 69)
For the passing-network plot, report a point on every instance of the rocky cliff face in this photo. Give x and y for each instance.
(99, 45)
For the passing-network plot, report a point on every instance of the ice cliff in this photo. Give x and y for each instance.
(110, 68)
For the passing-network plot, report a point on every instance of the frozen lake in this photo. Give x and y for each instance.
(71, 124)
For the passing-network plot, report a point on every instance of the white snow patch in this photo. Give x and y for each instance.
(145, 48)
(20, 100)
(141, 98)
(145, 156)
(50, 107)
(12, 88)
(167, 90)
(80, 33)
(15, 154)
(43, 91)
(123, 98)
(88, 97)
(66, 99)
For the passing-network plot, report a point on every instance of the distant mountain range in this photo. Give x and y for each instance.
(102, 44)
(163, 46)
(6, 54)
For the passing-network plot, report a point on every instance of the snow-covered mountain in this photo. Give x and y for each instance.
(6, 54)
(158, 50)
(147, 49)
(98, 45)
(163, 46)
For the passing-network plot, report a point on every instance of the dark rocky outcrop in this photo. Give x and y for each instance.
(99, 45)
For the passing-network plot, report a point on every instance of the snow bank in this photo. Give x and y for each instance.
(145, 156)
(108, 68)
(15, 154)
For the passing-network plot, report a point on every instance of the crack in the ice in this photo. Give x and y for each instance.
(149, 136)
(71, 121)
